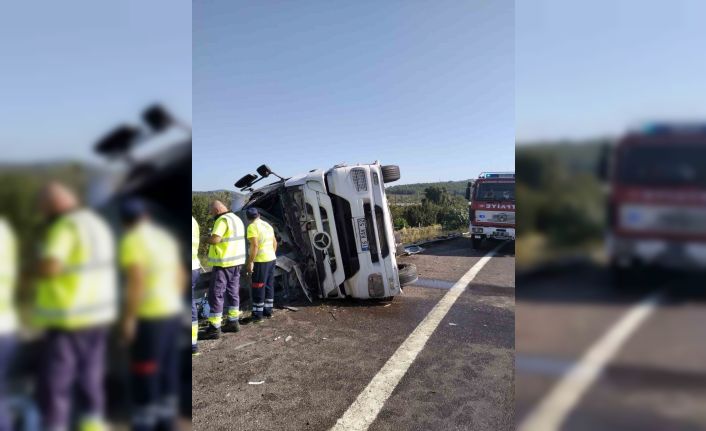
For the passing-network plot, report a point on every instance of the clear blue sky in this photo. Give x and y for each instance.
(587, 69)
(308, 84)
(72, 70)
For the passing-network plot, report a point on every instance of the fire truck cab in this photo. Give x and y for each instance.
(657, 204)
(491, 207)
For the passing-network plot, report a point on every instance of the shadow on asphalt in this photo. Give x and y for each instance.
(592, 283)
(462, 247)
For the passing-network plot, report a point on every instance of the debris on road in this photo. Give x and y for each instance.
(289, 337)
(278, 337)
(453, 324)
(256, 383)
(387, 305)
(290, 308)
(333, 315)
(413, 249)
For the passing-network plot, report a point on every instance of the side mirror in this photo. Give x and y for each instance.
(118, 142)
(264, 171)
(468, 191)
(246, 181)
(157, 118)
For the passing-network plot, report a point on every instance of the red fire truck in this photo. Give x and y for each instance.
(492, 207)
(657, 205)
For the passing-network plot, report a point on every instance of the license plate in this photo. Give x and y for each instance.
(363, 234)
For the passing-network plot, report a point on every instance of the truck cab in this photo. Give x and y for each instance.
(335, 230)
(657, 199)
(491, 207)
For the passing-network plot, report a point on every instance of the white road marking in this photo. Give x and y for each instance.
(551, 412)
(366, 407)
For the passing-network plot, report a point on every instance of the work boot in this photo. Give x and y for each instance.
(256, 320)
(231, 326)
(195, 350)
(267, 316)
(211, 333)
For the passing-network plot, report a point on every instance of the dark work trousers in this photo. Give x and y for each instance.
(263, 290)
(72, 357)
(195, 273)
(155, 374)
(225, 287)
(8, 343)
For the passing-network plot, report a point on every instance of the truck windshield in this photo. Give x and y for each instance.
(662, 165)
(495, 192)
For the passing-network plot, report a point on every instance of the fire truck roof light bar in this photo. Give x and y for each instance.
(672, 128)
(497, 175)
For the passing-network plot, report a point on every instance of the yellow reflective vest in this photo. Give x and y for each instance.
(84, 294)
(195, 263)
(8, 278)
(156, 252)
(231, 250)
(264, 234)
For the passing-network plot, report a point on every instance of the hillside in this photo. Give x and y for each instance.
(453, 187)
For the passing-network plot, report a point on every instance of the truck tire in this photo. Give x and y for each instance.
(390, 173)
(407, 273)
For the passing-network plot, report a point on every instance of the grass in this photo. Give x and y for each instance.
(533, 249)
(414, 234)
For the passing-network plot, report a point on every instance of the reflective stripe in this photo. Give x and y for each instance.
(76, 311)
(91, 266)
(227, 259)
(233, 238)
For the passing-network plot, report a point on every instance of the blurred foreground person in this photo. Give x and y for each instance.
(149, 255)
(261, 264)
(8, 316)
(195, 272)
(75, 303)
(226, 254)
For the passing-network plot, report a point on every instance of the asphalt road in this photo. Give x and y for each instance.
(656, 377)
(461, 380)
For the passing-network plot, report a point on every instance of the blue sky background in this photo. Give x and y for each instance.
(73, 70)
(308, 84)
(588, 69)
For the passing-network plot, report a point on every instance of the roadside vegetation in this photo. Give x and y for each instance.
(560, 199)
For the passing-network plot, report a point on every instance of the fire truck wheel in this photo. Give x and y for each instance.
(407, 273)
(390, 173)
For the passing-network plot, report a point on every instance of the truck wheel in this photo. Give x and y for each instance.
(390, 173)
(407, 273)
(476, 243)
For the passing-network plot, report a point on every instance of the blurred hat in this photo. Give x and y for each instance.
(252, 213)
(132, 209)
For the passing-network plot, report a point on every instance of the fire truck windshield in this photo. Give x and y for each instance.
(657, 165)
(495, 192)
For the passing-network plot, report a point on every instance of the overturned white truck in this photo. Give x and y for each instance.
(334, 230)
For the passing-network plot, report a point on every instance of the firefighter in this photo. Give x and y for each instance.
(226, 253)
(8, 317)
(75, 303)
(149, 256)
(195, 273)
(261, 264)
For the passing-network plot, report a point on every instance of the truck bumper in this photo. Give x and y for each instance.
(657, 253)
(502, 233)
